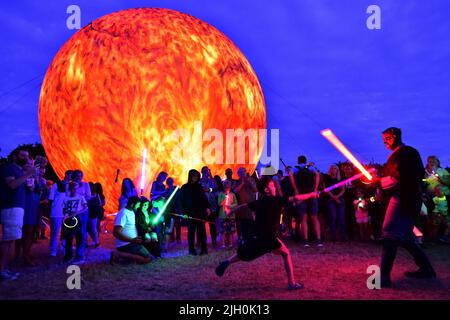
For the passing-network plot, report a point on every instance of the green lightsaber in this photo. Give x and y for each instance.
(161, 212)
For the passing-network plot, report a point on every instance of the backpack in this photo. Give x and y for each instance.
(305, 180)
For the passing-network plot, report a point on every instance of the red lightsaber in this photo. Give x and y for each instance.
(329, 135)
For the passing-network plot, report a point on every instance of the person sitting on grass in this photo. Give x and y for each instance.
(128, 243)
(267, 211)
(147, 231)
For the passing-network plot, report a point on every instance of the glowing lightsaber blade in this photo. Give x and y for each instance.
(329, 135)
(344, 182)
(144, 163)
(192, 218)
(161, 212)
(417, 232)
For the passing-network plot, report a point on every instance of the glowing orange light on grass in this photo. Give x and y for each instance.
(127, 81)
(329, 135)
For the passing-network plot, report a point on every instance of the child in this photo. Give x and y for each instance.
(267, 211)
(440, 215)
(362, 215)
(227, 200)
(73, 205)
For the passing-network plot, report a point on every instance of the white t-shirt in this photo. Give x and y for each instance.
(74, 204)
(58, 202)
(126, 219)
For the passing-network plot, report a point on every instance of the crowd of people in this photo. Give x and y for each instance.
(30, 205)
(353, 211)
(145, 227)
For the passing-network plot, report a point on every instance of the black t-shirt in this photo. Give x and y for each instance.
(329, 181)
(267, 215)
(193, 200)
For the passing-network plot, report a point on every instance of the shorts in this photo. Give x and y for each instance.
(12, 223)
(256, 247)
(227, 225)
(362, 219)
(310, 206)
(136, 249)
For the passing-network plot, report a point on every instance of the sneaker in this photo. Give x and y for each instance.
(5, 276)
(421, 274)
(220, 270)
(78, 261)
(320, 243)
(193, 252)
(295, 286)
(306, 244)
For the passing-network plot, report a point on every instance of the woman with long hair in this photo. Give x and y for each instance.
(128, 191)
(335, 202)
(145, 229)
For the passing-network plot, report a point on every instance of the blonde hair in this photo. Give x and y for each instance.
(338, 174)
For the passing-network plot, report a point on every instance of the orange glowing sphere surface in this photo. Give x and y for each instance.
(127, 81)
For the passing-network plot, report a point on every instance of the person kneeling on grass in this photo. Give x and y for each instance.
(267, 217)
(126, 234)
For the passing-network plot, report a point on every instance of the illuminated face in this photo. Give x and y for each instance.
(270, 189)
(131, 79)
(145, 207)
(389, 140)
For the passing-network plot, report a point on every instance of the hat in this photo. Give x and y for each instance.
(268, 171)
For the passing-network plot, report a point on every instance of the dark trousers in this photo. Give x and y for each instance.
(68, 235)
(213, 227)
(390, 251)
(199, 227)
(177, 228)
(398, 231)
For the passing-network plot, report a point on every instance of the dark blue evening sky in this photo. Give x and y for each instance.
(318, 64)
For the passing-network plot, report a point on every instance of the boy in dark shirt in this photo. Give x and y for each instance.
(267, 216)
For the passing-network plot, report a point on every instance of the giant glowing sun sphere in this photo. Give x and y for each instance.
(127, 81)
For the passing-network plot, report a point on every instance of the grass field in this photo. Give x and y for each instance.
(337, 271)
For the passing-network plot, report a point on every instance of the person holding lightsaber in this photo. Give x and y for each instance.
(267, 215)
(402, 180)
(195, 204)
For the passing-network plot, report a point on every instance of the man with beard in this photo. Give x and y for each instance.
(402, 179)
